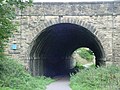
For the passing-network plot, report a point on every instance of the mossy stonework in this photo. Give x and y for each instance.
(100, 19)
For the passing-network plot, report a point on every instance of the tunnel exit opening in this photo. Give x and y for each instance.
(52, 50)
(83, 58)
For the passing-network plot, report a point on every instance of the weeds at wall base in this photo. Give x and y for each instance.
(13, 76)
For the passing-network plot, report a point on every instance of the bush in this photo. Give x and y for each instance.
(80, 66)
(102, 78)
(14, 77)
(86, 54)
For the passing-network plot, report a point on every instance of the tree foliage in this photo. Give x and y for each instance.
(86, 54)
(7, 14)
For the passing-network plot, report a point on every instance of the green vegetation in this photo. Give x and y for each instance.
(86, 54)
(7, 15)
(102, 78)
(14, 77)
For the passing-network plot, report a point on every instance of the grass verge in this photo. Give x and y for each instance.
(102, 78)
(13, 76)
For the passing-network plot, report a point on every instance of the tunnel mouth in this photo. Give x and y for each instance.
(51, 53)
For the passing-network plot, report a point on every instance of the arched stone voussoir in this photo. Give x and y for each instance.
(47, 23)
(75, 21)
(91, 28)
(68, 20)
(88, 26)
(72, 20)
(78, 21)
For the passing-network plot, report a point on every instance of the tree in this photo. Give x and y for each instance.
(7, 14)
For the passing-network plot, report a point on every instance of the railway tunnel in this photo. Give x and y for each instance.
(52, 50)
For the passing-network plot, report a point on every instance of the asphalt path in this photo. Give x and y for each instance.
(61, 83)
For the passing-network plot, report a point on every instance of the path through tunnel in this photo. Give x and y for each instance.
(53, 48)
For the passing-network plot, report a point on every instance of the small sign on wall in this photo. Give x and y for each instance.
(14, 46)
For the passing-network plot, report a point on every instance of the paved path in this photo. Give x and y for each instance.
(61, 83)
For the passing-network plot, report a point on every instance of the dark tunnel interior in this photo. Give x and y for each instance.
(55, 45)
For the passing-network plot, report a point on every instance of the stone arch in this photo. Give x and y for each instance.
(35, 60)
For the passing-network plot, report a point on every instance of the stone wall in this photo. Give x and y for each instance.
(104, 16)
(73, 9)
(116, 40)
